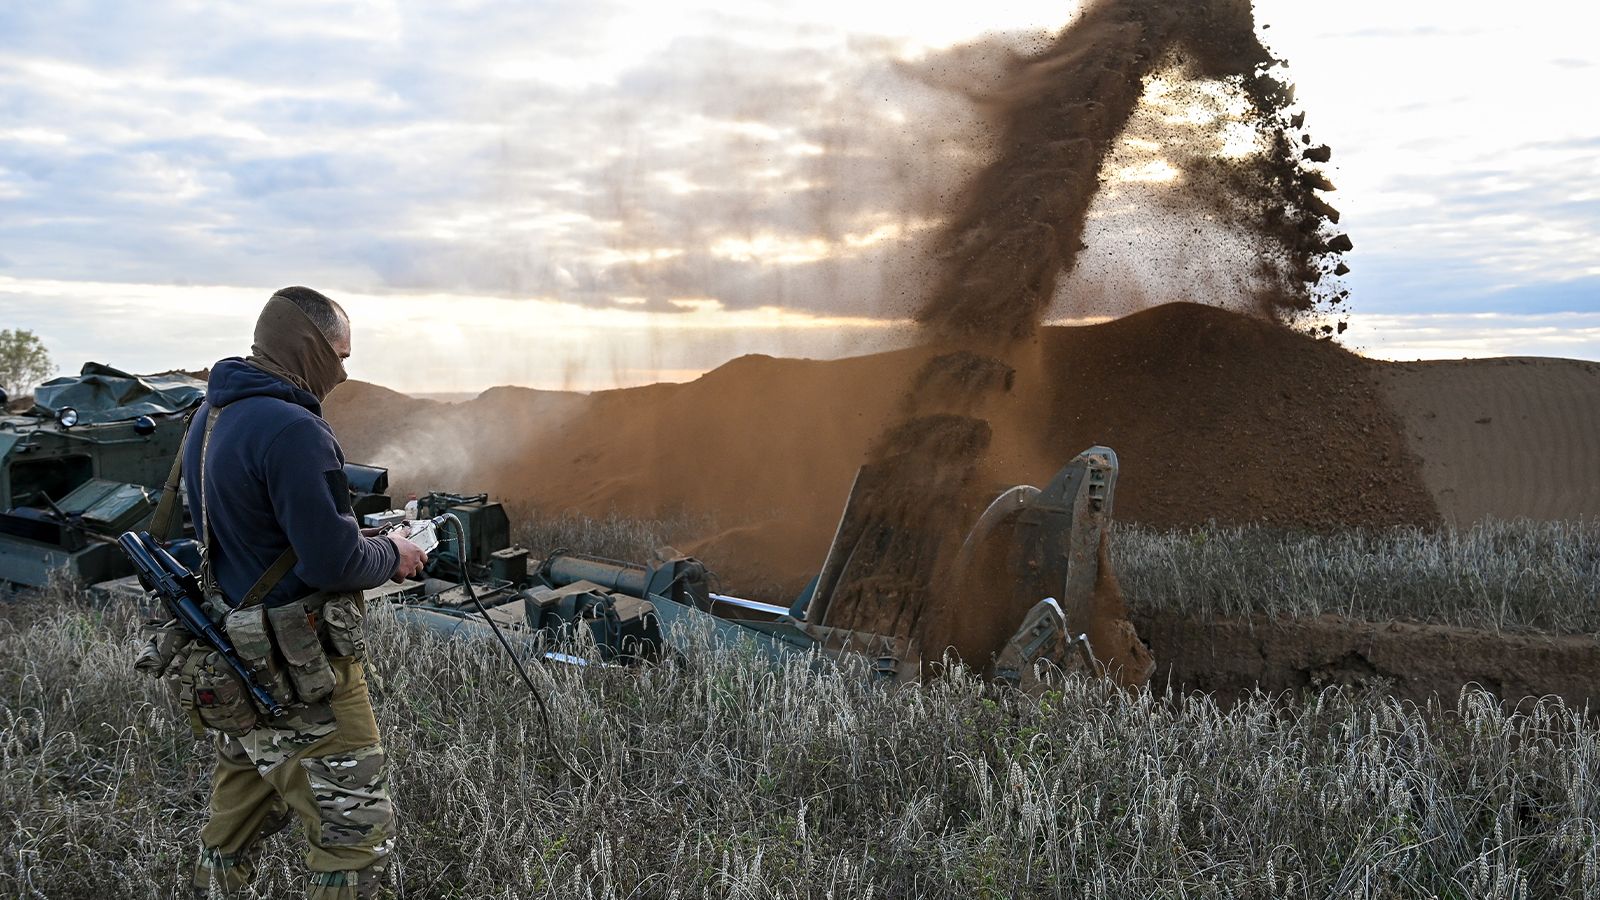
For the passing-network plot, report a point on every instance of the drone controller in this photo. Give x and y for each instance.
(422, 532)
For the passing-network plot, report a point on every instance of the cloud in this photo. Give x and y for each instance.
(433, 341)
(624, 155)
(481, 153)
(1572, 335)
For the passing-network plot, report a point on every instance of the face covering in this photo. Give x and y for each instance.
(290, 346)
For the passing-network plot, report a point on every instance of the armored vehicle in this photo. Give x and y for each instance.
(83, 465)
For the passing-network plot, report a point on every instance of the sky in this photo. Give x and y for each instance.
(586, 195)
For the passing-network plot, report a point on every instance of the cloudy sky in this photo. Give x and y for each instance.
(591, 194)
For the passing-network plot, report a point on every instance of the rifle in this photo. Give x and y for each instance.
(180, 590)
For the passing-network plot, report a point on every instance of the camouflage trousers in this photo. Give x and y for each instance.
(322, 764)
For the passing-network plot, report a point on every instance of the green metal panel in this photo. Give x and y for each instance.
(103, 474)
(110, 507)
(32, 564)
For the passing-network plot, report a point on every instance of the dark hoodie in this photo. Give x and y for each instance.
(275, 476)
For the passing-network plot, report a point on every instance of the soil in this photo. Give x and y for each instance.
(1229, 418)
(1411, 661)
(1507, 438)
(1216, 416)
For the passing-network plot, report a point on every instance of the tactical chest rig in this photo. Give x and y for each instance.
(284, 649)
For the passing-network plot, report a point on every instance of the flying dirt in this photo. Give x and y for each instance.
(1016, 232)
(1019, 227)
(988, 399)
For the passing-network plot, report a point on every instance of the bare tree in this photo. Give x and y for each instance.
(24, 362)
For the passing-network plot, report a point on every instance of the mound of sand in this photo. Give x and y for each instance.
(1215, 415)
(1504, 438)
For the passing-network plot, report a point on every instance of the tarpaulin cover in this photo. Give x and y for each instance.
(102, 394)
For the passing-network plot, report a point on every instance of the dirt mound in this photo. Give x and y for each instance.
(1507, 438)
(1221, 416)
(1232, 658)
(1215, 415)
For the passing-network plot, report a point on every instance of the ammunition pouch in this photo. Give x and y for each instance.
(294, 628)
(209, 693)
(344, 619)
(287, 648)
(213, 695)
(252, 639)
(163, 642)
(170, 654)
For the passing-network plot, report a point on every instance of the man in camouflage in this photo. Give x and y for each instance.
(271, 488)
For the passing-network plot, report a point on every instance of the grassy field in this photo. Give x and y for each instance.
(714, 775)
(1501, 576)
(1511, 576)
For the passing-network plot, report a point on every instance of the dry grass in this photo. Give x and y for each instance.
(715, 776)
(613, 536)
(1514, 576)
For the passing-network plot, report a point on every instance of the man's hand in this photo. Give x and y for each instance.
(412, 558)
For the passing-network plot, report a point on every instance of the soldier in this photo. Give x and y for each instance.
(287, 556)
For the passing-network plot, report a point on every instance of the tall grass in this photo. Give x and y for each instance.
(612, 536)
(1516, 576)
(715, 775)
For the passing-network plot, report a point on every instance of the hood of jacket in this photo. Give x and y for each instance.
(233, 379)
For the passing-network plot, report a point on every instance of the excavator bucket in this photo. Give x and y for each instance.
(1021, 586)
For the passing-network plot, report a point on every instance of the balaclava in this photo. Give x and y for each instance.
(289, 345)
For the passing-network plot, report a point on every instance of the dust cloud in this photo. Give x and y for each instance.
(1018, 227)
(962, 189)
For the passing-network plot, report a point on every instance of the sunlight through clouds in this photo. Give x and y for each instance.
(434, 341)
(562, 181)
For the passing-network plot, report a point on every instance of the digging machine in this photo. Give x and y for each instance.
(1025, 574)
(88, 461)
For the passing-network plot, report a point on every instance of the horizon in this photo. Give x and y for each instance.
(898, 336)
(579, 196)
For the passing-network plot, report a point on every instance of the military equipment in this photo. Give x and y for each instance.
(83, 465)
(1031, 557)
(87, 462)
(179, 590)
(1023, 578)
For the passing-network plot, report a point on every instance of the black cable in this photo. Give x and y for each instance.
(544, 567)
(544, 710)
